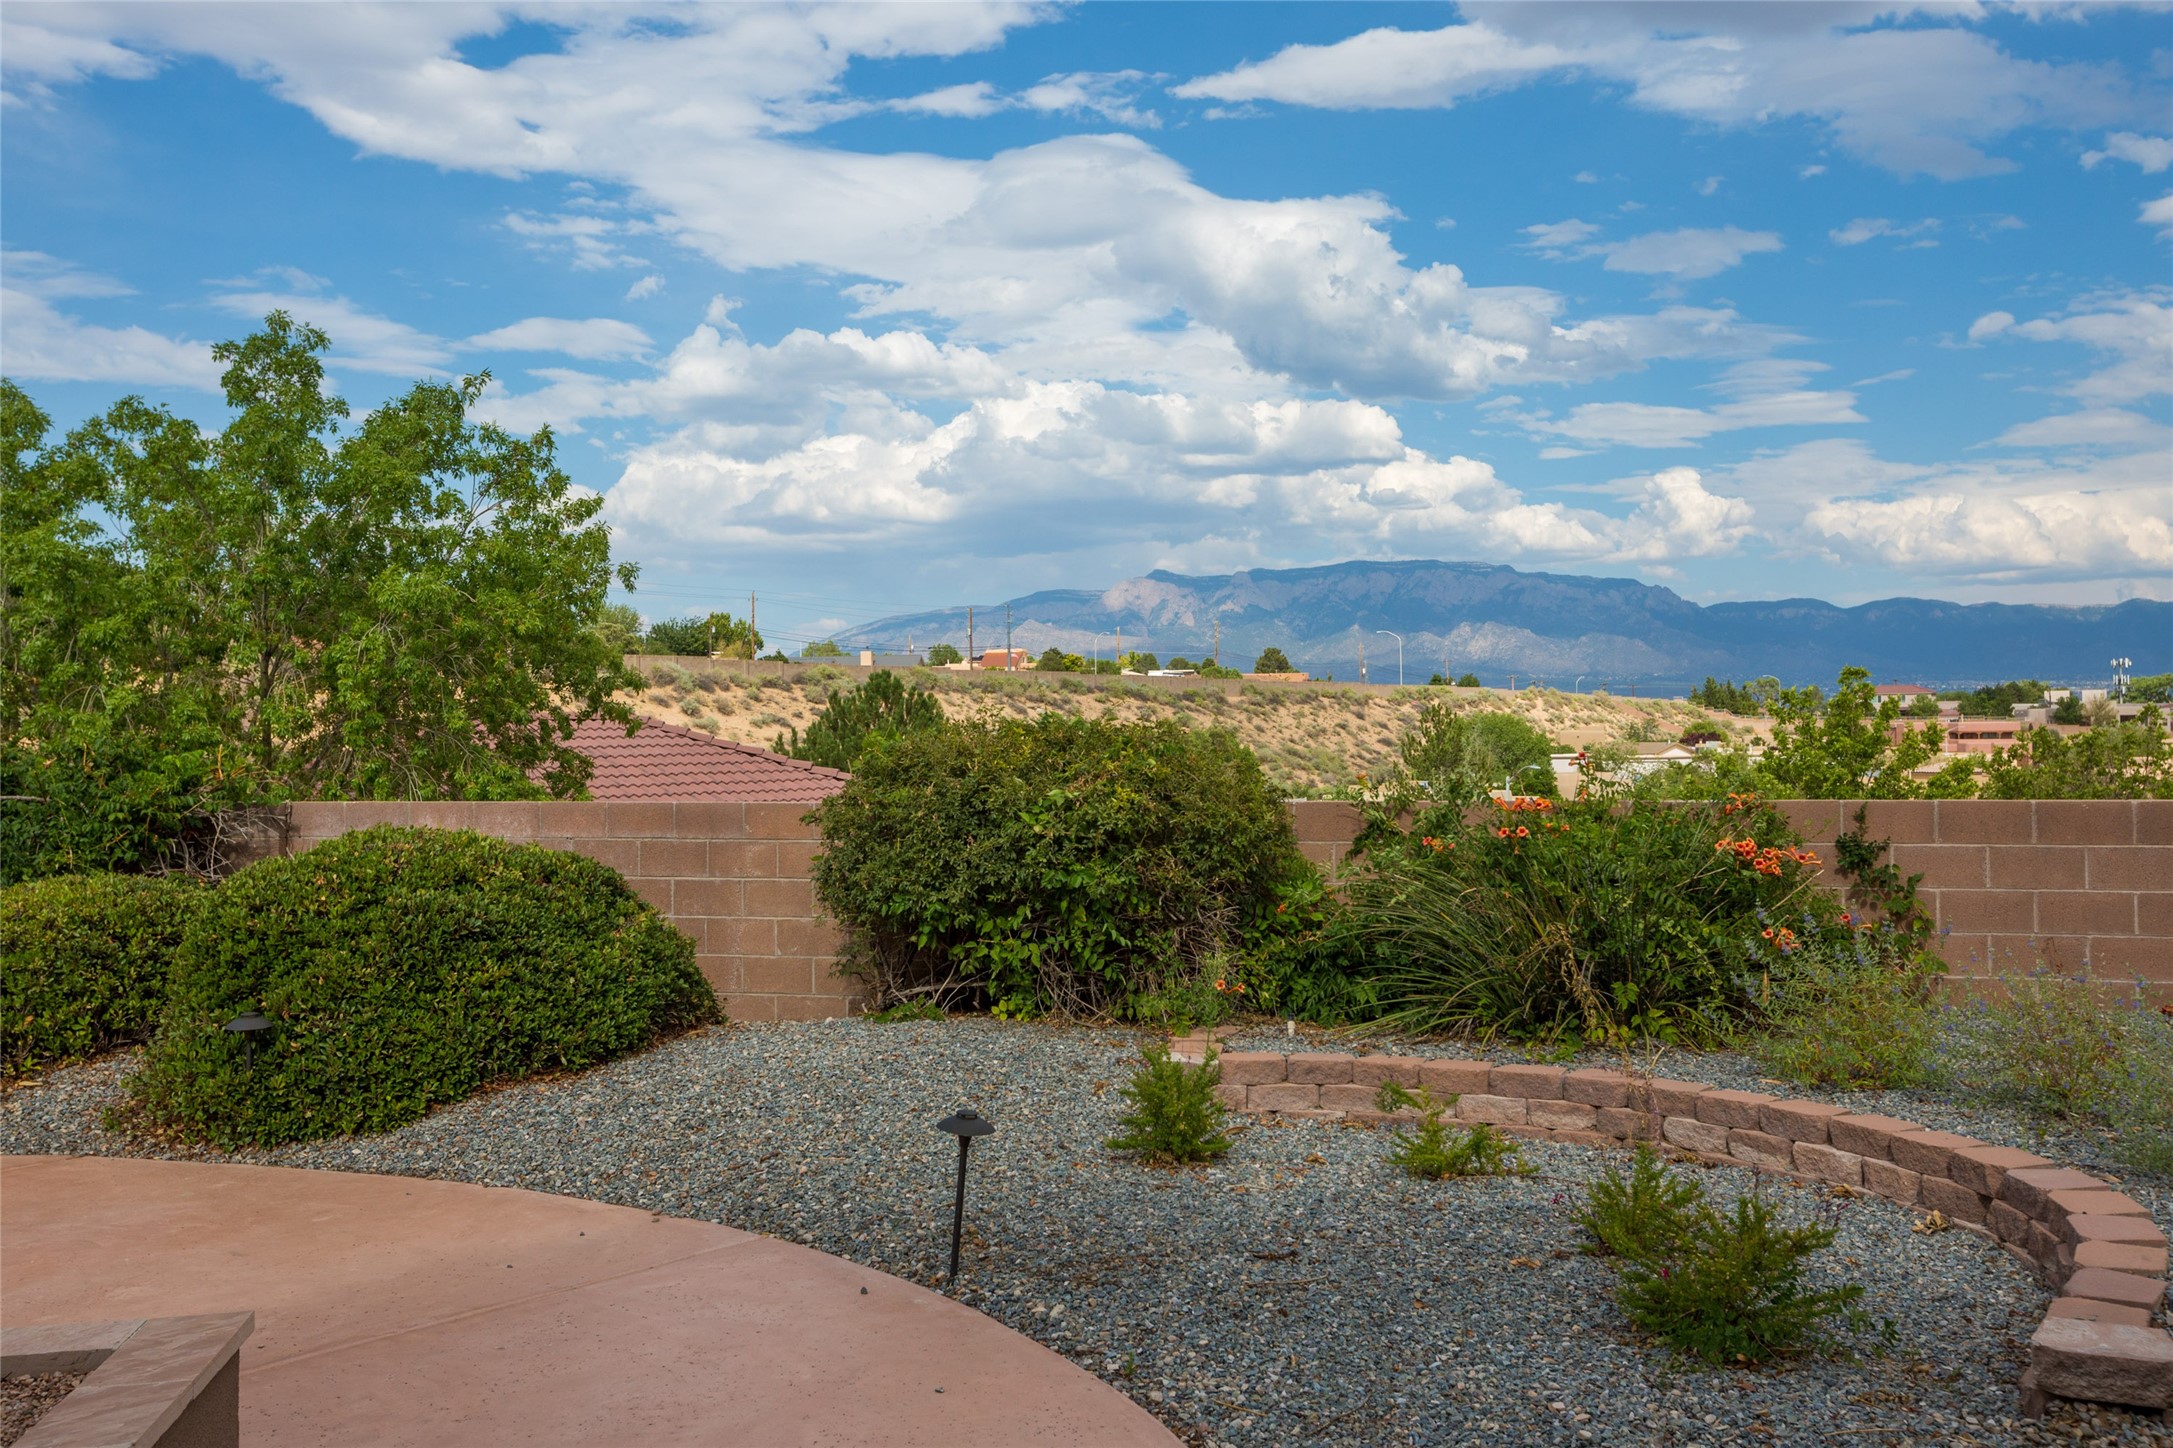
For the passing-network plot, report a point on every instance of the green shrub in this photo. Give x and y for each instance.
(912, 1010)
(1733, 1290)
(1059, 865)
(1434, 1152)
(402, 969)
(1175, 1115)
(1853, 1011)
(1304, 959)
(883, 707)
(1724, 1286)
(83, 962)
(1583, 920)
(1643, 1216)
(2075, 1048)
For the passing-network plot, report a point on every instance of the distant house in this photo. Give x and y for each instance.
(870, 659)
(664, 761)
(1902, 694)
(1004, 659)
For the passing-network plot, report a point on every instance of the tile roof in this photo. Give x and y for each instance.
(664, 761)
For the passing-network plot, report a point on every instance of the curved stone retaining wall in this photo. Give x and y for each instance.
(2096, 1247)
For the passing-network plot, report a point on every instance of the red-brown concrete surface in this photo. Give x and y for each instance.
(398, 1311)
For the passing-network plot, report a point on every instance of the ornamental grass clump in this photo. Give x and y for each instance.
(402, 969)
(1175, 1116)
(1435, 1153)
(1724, 1286)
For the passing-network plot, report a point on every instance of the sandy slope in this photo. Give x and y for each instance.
(1310, 738)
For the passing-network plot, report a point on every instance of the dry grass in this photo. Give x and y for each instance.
(1311, 739)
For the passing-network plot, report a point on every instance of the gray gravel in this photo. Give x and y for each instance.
(1299, 1292)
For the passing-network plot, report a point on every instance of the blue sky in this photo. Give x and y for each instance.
(873, 309)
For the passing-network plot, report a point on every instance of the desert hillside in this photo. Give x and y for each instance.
(1311, 738)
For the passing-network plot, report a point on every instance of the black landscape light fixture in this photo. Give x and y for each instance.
(246, 1025)
(965, 1124)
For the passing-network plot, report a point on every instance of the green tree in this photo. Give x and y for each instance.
(2151, 688)
(1454, 758)
(943, 654)
(1851, 746)
(825, 649)
(291, 607)
(2069, 709)
(619, 626)
(857, 720)
(1997, 701)
(1468, 681)
(2120, 761)
(1272, 661)
(678, 636)
(1137, 663)
(1056, 661)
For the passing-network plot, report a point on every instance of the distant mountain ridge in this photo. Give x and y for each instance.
(1498, 621)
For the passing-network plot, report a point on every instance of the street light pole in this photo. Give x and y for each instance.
(1399, 652)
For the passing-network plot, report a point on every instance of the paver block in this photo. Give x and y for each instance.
(2094, 1202)
(2103, 1362)
(1928, 1152)
(1737, 1110)
(2031, 1188)
(1867, 1135)
(2009, 1223)
(2045, 1249)
(1693, 1135)
(1322, 1068)
(1597, 1088)
(1282, 1096)
(2130, 1289)
(1455, 1078)
(1626, 1123)
(1253, 1068)
(1231, 1096)
(1798, 1120)
(1828, 1164)
(1981, 1168)
(2090, 1227)
(2135, 1257)
(1345, 1096)
(1500, 1110)
(1530, 1082)
(1584, 1138)
(1774, 1153)
(1951, 1199)
(1895, 1183)
(1561, 1115)
(1670, 1098)
(2089, 1310)
(1373, 1070)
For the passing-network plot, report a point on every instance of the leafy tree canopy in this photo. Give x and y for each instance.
(1056, 661)
(1136, 663)
(943, 654)
(857, 720)
(290, 607)
(2069, 709)
(1454, 758)
(1272, 661)
(824, 649)
(1468, 681)
(619, 626)
(719, 633)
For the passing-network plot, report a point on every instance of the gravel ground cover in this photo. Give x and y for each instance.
(26, 1398)
(1301, 1291)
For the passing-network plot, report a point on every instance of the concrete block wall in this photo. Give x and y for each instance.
(2015, 882)
(734, 877)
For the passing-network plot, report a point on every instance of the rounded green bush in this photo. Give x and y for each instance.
(83, 961)
(402, 969)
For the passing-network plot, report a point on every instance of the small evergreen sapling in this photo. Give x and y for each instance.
(1434, 1152)
(1175, 1115)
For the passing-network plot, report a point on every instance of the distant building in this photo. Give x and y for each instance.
(870, 659)
(1902, 694)
(1008, 659)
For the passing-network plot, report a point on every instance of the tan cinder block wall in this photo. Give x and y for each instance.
(2010, 882)
(734, 877)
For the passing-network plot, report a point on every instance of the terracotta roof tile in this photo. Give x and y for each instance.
(664, 761)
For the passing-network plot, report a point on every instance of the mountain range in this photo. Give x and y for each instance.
(1568, 630)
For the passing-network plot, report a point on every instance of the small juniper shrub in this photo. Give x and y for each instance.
(1434, 1152)
(1725, 1286)
(1175, 1115)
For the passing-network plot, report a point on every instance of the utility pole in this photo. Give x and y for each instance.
(750, 636)
(1218, 643)
(1512, 683)
(1010, 664)
(969, 638)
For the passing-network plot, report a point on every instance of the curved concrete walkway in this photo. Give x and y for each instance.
(392, 1310)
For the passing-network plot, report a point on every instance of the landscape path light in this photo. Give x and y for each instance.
(246, 1025)
(965, 1124)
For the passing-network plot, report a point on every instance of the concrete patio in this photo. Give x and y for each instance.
(394, 1310)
